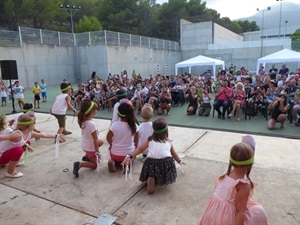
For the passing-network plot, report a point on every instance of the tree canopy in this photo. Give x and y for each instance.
(140, 17)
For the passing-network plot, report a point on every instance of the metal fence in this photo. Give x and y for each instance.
(38, 36)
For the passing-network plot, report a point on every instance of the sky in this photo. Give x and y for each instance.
(235, 9)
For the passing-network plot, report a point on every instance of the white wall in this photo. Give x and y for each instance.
(55, 63)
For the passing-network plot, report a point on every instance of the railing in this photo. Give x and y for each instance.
(38, 36)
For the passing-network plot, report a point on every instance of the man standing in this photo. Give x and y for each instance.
(273, 72)
(284, 70)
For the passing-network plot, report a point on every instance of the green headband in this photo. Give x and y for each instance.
(161, 130)
(242, 163)
(66, 88)
(122, 95)
(121, 115)
(90, 108)
(27, 110)
(26, 122)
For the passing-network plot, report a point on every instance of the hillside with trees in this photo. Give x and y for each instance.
(140, 17)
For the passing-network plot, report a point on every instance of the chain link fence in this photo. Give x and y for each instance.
(38, 36)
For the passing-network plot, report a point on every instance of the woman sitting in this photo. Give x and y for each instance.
(239, 99)
(278, 109)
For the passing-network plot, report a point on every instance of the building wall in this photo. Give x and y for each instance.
(35, 62)
(224, 36)
(228, 46)
(55, 63)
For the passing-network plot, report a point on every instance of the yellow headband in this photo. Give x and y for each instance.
(90, 108)
(242, 163)
(26, 122)
(161, 130)
(27, 110)
(66, 88)
(121, 115)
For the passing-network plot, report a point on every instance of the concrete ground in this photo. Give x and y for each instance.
(48, 194)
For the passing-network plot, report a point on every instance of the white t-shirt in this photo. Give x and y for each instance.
(145, 91)
(18, 91)
(60, 105)
(115, 117)
(122, 140)
(158, 150)
(6, 145)
(145, 130)
(3, 93)
(87, 141)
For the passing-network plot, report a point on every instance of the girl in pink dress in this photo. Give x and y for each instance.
(231, 202)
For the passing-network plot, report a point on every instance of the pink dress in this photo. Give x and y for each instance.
(220, 208)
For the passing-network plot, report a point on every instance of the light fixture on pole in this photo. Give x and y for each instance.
(71, 10)
(285, 27)
(262, 28)
(280, 12)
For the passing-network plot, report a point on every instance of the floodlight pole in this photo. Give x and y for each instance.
(280, 12)
(71, 10)
(262, 29)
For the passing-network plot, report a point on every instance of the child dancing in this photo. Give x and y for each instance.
(90, 141)
(60, 106)
(159, 167)
(123, 135)
(12, 144)
(231, 202)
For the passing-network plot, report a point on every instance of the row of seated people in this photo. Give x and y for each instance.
(176, 90)
(257, 95)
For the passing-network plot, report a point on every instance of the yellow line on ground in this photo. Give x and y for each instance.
(193, 121)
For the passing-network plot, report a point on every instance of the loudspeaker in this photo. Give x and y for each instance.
(9, 70)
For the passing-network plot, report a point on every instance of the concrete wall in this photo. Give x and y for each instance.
(106, 59)
(215, 41)
(224, 36)
(55, 63)
(195, 35)
(35, 62)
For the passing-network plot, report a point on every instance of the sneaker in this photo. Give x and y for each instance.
(86, 159)
(14, 174)
(230, 115)
(67, 132)
(76, 167)
(111, 166)
(20, 163)
(150, 185)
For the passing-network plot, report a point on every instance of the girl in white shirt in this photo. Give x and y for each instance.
(159, 167)
(12, 143)
(123, 136)
(90, 141)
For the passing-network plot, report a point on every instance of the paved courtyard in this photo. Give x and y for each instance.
(49, 194)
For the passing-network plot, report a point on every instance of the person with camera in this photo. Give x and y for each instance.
(223, 98)
(191, 95)
(165, 100)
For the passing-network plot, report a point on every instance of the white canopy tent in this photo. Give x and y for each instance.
(200, 61)
(282, 56)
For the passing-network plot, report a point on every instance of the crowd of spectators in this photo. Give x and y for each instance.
(227, 92)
